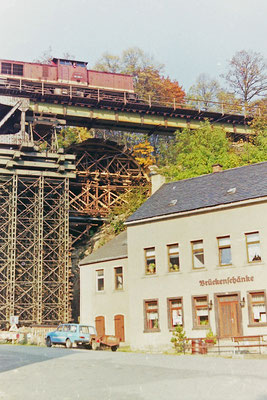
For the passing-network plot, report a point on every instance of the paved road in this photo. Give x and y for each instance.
(28, 373)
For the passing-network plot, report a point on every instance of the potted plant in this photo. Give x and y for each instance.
(210, 338)
(151, 268)
(174, 267)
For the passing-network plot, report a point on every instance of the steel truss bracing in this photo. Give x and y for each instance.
(34, 249)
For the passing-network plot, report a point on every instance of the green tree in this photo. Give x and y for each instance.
(255, 150)
(125, 206)
(179, 339)
(193, 153)
(70, 135)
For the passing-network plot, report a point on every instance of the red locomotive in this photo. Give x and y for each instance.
(62, 72)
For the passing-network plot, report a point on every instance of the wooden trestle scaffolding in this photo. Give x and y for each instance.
(105, 171)
(34, 235)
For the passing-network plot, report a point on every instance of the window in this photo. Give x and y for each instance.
(175, 312)
(65, 62)
(257, 307)
(173, 257)
(84, 329)
(198, 254)
(18, 69)
(6, 68)
(224, 245)
(201, 312)
(150, 260)
(118, 278)
(73, 328)
(12, 69)
(66, 328)
(253, 247)
(100, 280)
(151, 315)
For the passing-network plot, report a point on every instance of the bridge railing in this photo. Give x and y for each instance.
(203, 105)
(87, 94)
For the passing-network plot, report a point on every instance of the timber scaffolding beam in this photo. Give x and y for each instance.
(34, 235)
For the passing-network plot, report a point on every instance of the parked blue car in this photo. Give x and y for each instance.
(72, 334)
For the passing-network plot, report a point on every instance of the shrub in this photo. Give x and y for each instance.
(179, 339)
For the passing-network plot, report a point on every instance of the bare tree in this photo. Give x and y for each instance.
(247, 75)
(47, 56)
(205, 91)
(108, 62)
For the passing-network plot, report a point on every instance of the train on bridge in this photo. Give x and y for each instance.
(51, 78)
(65, 90)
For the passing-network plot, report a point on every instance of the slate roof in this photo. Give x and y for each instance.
(115, 248)
(228, 186)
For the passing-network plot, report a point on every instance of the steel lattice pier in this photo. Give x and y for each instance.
(34, 247)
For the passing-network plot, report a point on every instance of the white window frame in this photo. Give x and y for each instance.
(98, 278)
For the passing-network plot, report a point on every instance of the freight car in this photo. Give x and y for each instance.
(61, 75)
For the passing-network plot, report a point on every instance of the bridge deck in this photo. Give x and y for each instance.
(125, 115)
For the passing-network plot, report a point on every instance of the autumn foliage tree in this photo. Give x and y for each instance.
(143, 153)
(149, 81)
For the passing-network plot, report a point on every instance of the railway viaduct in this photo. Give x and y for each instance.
(45, 193)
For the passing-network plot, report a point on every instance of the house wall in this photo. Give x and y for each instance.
(235, 221)
(107, 303)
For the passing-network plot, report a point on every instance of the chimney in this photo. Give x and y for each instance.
(156, 179)
(217, 168)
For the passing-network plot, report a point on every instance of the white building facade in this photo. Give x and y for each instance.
(197, 252)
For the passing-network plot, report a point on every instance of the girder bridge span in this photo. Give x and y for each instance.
(98, 109)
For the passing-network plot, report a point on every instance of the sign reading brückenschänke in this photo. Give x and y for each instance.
(227, 281)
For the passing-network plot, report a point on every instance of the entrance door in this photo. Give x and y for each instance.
(229, 316)
(119, 327)
(100, 325)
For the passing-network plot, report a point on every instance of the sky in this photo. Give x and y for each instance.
(189, 37)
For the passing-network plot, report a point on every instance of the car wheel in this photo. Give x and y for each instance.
(114, 348)
(94, 345)
(68, 344)
(48, 342)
